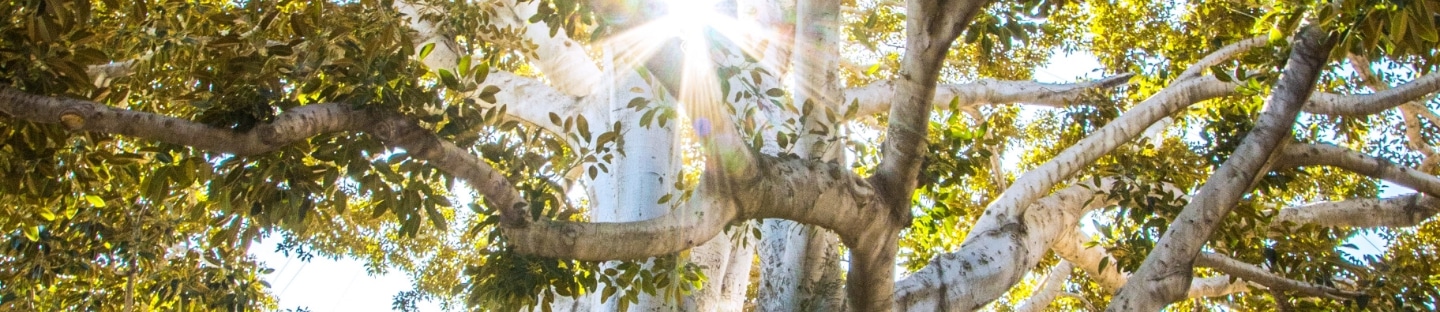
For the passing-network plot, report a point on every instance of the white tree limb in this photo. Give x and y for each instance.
(1072, 248)
(1260, 276)
(563, 61)
(1410, 113)
(1331, 104)
(996, 254)
(1166, 273)
(531, 101)
(1225, 53)
(876, 97)
(1039, 181)
(1335, 156)
(1400, 211)
(1049, 291)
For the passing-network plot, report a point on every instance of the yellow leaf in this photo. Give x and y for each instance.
(33, 233)
(95, 201)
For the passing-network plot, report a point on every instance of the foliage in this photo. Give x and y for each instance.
(98, 222)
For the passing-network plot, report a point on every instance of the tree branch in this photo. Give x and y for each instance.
(563, 60)
(1167, 271)
(1071, 247)
(1260, 276)
(695, 223)
(1223, 54)
(290, 126)
(1410, 112)
(531, 101)
(1400, 211)
(809, 192)
(997, 254)
(1356, 105)
(876, 97)
(1039, 181)
(1180, 94)
(928, 36)
(1050, 290)
(1335, 156)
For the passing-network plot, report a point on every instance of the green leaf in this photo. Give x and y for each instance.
(425, 50)
(480, 72)
(488, 94)
(464, 67)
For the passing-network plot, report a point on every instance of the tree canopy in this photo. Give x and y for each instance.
(737, 154)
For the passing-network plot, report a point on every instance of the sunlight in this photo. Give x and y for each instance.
(698, 24)
(690, 17)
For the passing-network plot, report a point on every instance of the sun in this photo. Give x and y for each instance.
(699, 27)
(689, 17)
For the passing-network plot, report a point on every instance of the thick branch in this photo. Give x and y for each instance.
(1260, 276)
(1331, 104)
(695, 223)
(997, 253)
(876, 97)
(532, 102)
(1039, 181)
(80, 115)
(930, 29)
(809, 192)
(1335, 156)
(291, 126)
(1406, 210)
(562, 60)
(1166, 272)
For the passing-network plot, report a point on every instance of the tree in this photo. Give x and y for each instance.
(650, 155)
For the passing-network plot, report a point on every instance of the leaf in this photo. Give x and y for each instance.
(425, 51)
(448, 79)
(33, 233)
(555, 119)
(607, 293)
(637, 103)
(436, 218)
(583, 126)
(488, 93)
(95, 201)
(480, 72)
(46, 214)
(775, 92)
(464, 67)
(1220, 74)
(663, 199)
